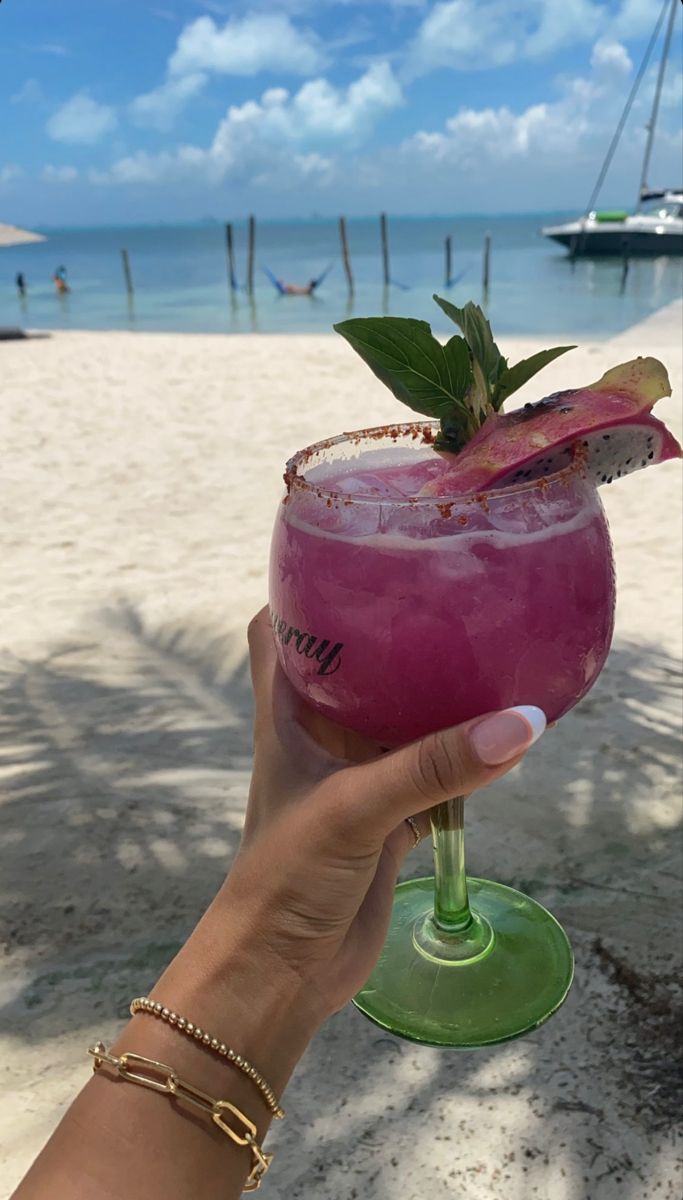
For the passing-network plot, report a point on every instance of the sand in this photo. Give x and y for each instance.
(140, 475)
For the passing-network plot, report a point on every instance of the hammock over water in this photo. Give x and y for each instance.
(281, 287)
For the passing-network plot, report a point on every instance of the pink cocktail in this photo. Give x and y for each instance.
(397, 616)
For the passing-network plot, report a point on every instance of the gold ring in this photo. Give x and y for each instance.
(415, 828)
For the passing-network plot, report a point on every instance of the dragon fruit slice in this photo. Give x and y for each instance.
(609, 423)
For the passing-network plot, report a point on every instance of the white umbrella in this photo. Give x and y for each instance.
(11, 235)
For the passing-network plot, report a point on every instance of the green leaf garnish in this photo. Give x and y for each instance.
(479, 338)
(421, 372)
(460, 383)
(513, 377)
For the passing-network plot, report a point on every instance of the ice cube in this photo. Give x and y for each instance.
(366, 484)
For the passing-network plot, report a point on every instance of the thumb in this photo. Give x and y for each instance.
(451, 762)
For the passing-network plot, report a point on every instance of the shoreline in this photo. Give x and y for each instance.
(669, 312)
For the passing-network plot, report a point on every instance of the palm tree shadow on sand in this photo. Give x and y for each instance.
(125, 763)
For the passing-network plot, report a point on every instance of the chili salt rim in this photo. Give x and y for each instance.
(427, 430)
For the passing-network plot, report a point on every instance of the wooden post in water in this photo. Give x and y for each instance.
(385, 248)
(345, 254)
(487, 261)
(251, 244)
(625, 263)
(230, 250)
(449, 261)
(126, 272)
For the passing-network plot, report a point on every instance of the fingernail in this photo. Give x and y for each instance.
(506, 734)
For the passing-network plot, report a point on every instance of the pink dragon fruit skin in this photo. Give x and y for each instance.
(610, 420)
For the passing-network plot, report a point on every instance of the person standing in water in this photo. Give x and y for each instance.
(59, 280)
(21, 284)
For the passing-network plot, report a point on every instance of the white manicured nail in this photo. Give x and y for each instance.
(536, 718)
(504, 735)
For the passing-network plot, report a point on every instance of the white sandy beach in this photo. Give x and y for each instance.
(140, 475)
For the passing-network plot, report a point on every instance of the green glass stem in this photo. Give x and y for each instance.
(451, 904)
(451, 933)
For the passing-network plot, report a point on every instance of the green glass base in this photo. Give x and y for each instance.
(500, 979)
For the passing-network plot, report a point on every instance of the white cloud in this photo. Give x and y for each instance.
(477, 34)
(462, 34)
(59, 174)
(245, 46)
(274, 96)
(549, 132)
(160, 108)
(10, 172)
(541, 156)
(323, 109)
(313, 165)
(315, 115)
(81, 120)
(611, 58)
(280, 133)
(30, 92)
(165, 167)
(558, 23)
(307, 170)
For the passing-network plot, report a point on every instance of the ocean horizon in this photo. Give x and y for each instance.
(181, 280)
(312, 219)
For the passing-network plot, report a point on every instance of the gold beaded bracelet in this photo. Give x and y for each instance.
(156, 1075)
(154, 1009)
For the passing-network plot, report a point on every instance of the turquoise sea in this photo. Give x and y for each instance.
(181, 282)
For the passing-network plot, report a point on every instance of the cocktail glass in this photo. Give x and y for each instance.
(397, 617)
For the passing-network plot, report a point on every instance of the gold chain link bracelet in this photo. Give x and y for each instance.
(154, 1009)
(161, 1078)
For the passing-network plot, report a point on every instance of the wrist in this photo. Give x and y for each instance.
(227, 981)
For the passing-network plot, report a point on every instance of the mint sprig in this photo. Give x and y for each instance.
(422, 373)
(477, 331)
(460, 383)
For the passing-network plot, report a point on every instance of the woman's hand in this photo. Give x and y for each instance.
(326, 830)
(293, 933)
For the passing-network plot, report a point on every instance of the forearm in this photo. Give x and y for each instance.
(119, 1141)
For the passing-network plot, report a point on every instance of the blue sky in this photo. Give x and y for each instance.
(116, 111)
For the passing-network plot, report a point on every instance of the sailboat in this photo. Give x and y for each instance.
(656, 226)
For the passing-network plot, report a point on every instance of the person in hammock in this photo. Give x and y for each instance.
(296, 289)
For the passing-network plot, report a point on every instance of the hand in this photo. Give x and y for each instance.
(293, 933)
(325, 831)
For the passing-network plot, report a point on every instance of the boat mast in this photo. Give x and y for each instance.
(652, 123)
(624, 116)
